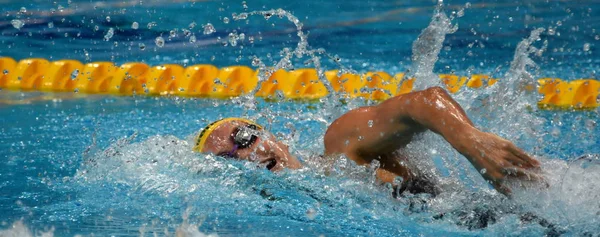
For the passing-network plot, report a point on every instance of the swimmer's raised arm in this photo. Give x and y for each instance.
(375, 132)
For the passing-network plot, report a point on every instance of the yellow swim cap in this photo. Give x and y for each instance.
(205, 133)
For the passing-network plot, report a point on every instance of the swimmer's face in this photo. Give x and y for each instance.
(240, 140)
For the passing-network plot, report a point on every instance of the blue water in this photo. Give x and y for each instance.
(75, 164)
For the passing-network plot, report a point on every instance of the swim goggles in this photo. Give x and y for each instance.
(242, 136)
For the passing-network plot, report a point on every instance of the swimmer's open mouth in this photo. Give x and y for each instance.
(271, 163)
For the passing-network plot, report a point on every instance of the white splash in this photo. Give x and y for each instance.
(145, 166)
(514, 93)
(571, 199)
(510, 89)
(426, 49)
(302, 50)
(18, 229)
(188, 230)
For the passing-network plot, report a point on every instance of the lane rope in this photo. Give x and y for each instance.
(205, 80)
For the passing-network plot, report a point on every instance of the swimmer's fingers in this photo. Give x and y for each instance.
(523, 178)
(526, 177)
(526, 161)
(502, 188)
(522, 174)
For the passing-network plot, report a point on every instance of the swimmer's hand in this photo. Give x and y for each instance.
(498, 160)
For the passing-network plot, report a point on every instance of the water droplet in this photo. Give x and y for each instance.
(233, 39)
(467, 5)
(586, 47)
(244, 5)
(311, 214)
(5, 71)
(193, 39)
(241, 16)
(50, 25)
(460, 13)
(360, 138)
(209, 29)
(160, 42)
(74, 74)
(225, 20)
(135, 25)
(510, 18)
(17, 24)
(109, 34)
(555, 132)
(151, 24)
(107, 18)
(597, 37)
(398, 181)
(76, 90)
(96, 28)
(267, 15)
(337, 58)
(23, 10)
(551, 31)
(559, 23)
(483, 171)
(590, 124)
(256, 61)
(192, 25)
(173, 33)
(142, 46)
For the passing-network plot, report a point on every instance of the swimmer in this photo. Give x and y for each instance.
(376, 133)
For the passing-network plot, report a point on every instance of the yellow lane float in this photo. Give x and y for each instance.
(204, 80)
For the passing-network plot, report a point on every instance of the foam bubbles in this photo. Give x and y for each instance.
(19, 229)
(571, 198)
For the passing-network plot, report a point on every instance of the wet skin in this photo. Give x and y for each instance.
(377, 132)
(264, 150)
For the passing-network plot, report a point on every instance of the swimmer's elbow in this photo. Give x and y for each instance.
(332, 140)
(329, 143)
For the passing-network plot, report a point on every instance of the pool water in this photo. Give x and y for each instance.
(102, 165)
